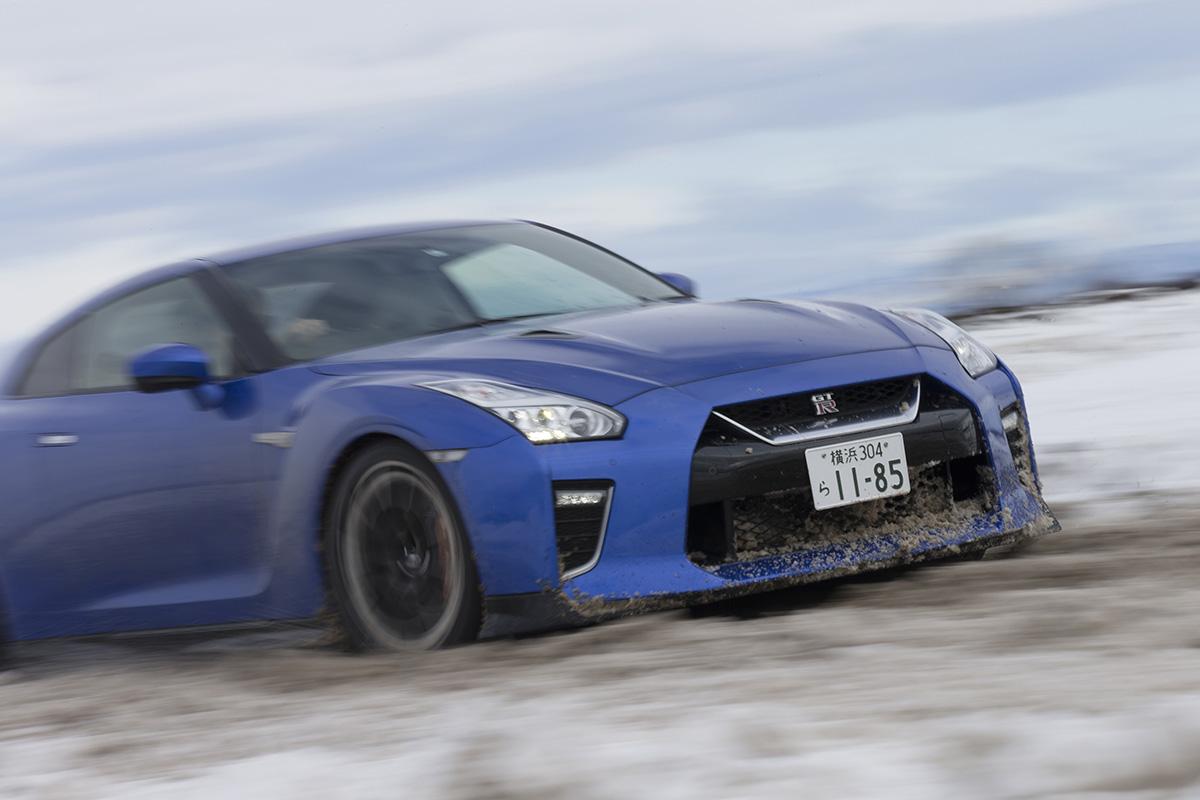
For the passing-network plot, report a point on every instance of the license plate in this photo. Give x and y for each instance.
(858, 471)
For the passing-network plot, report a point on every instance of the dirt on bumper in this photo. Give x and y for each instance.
(554, 608)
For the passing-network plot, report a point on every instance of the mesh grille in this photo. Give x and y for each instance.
(781, 416)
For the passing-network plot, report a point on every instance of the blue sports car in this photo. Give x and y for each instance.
(428, 433)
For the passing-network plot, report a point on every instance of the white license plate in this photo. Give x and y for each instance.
(858, 471)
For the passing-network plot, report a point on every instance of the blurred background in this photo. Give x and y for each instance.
(1030, 166)
(774, 147)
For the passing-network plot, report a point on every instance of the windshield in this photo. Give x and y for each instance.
(357, 294)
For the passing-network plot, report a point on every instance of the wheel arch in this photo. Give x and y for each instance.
(333, 472)
(342, 460)
(330, 424)
(336, 470)
(362, 441)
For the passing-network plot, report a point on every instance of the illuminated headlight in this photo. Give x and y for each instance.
(544, 417)
(975, 358)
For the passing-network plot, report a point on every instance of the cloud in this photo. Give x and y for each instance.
(45, 289)
(759, 146)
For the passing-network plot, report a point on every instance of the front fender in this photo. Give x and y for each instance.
(325, 416)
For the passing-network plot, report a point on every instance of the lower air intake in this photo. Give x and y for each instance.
(1016, 430)
(580, 516)
(785, 522)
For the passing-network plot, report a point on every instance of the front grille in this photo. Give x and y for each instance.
(785, 522)
(751, 502)
(579, 523)
(794, 417)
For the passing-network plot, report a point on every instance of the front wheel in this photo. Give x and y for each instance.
(400, 570)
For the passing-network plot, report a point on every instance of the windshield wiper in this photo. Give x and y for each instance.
(516, 317)
(480, 323)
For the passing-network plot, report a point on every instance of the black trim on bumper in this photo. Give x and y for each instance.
(542, 612)
(724, 471)
(536, 612)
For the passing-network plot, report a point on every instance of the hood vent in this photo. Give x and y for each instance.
(546, 333)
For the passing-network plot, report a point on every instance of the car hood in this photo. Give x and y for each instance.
(609, 356)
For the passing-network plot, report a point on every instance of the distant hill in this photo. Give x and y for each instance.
(1004, 274)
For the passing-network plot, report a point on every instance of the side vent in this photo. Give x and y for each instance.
(580, 516)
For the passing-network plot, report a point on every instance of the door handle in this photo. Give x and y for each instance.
(57, 440)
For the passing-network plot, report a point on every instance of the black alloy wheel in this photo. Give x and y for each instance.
(400, 569)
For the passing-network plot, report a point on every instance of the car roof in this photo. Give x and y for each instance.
(20, 349)
(133, 282)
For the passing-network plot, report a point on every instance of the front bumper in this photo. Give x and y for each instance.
(660, 477)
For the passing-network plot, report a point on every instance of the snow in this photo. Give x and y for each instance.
(1068, 669)
(1112, 391)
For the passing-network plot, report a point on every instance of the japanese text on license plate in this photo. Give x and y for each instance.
(858, 471)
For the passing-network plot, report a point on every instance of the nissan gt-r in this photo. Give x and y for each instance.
(428, 433)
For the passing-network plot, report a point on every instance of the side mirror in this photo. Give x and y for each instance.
(176, 366)
(681, 282)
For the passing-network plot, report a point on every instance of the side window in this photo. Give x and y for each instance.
(50, 372)
(342, 297)
(94, 353)
(174, 312)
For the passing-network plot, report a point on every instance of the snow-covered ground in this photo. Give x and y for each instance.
(1114, 395)
(1070, 670)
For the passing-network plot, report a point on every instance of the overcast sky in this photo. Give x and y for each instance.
(761, 146)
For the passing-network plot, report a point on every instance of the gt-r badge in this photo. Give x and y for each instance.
(824, 404)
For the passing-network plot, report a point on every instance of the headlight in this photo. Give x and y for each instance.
(975, 358)
(544, 417)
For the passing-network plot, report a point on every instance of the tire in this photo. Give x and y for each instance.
(400, 571)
